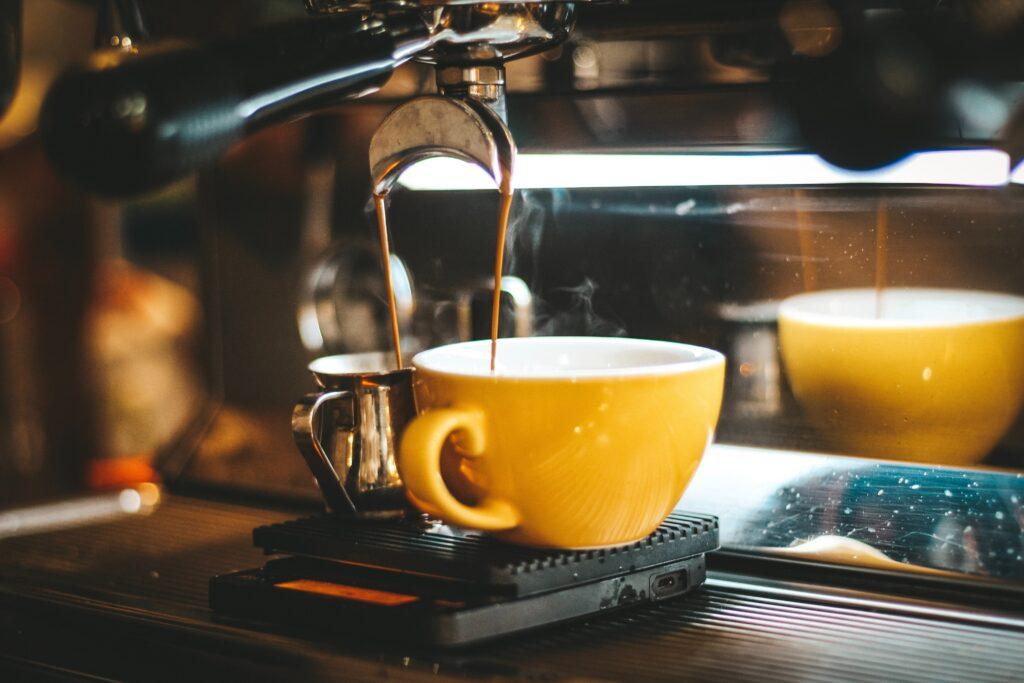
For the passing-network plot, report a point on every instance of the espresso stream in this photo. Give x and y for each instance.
(806, 233)
(505, 209)
(499, 264)
(807, 260)
(380, 201)
(881, 255)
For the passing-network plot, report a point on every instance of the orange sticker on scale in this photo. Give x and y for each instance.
(338, 590)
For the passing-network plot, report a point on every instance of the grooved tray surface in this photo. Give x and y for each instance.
(162, 563)
(445, 553)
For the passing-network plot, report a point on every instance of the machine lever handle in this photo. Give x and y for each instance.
(129, 123)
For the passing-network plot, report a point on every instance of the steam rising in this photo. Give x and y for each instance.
(579, 318)
(574, 317)
(525, 232)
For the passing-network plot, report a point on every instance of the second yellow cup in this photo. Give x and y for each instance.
(928, 375)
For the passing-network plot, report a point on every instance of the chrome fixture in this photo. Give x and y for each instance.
(348, 433)
(189, 105)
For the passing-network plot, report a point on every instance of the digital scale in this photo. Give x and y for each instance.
(423, 582)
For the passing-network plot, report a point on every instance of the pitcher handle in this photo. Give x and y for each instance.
(305, 419)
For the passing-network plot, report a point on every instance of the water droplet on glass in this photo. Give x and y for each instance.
(684, 208)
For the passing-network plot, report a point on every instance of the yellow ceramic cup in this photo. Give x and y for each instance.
(573, 443)
(938, 378)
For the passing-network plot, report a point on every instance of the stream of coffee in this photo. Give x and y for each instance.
(881, 255)
(810, 271)
(380, 202)
(499, 263)
(806, 235)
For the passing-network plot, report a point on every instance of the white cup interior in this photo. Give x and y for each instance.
(901, 307)
(353, 363)
(567, 357)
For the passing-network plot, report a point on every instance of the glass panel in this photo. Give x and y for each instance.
(875, 514)
(920, 380)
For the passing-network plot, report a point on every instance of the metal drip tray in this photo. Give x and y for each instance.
(141, 583)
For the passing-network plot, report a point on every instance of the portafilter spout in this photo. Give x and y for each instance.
(465, 128)
(471, 43)
(442, 126)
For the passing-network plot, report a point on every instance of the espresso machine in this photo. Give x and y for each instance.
(142, 116)
(149, 120)
(238, 146)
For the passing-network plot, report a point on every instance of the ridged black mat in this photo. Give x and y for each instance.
(442, 552)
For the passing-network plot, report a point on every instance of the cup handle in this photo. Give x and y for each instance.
(420, 466)
(305, 420)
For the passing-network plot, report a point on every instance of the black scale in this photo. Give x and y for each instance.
(424, 582)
